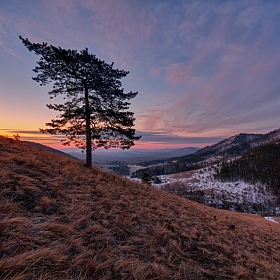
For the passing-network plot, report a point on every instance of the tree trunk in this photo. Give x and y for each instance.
(88, 131)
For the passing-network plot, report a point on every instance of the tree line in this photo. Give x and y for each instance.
(268, 206)
(170, 168)
(260, 165)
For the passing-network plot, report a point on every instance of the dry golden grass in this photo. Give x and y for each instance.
(60, 220)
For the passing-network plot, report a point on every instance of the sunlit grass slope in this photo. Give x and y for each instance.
(60, 220)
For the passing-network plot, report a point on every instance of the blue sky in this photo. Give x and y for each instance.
(204, 70)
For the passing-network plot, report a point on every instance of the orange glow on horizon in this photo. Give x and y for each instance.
(54, 141)
(139, 145)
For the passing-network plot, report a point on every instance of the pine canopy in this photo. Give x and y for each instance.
(95, 112)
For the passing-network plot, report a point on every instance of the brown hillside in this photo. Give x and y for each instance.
(60, 220)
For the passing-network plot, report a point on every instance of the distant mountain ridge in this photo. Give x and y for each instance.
(133, 156)
(236, 145)
(233, 146)
(240, 142)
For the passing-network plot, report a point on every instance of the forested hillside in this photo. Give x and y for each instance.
(261, 164)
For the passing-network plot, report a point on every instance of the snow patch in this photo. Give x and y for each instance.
(215, 192)
(271, 219)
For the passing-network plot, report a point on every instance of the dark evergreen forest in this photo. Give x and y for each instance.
(169, 168)
(261, 164)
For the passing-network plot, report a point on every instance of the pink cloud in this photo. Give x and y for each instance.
(177, 73)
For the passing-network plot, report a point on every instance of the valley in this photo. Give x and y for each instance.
(131, 156)
(240, 173)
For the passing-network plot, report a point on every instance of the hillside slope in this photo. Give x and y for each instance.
(60, 220)
(261, 164)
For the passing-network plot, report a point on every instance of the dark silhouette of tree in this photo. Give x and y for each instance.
(94, 113)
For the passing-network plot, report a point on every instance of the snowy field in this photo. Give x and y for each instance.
(219, 193)
(203, 179)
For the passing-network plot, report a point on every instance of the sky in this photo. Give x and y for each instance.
(204, 70)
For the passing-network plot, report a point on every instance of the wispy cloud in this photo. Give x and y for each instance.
(7, 50)
(228, 78)
(166, 137)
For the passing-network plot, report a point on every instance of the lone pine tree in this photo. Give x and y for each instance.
(94, 113)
